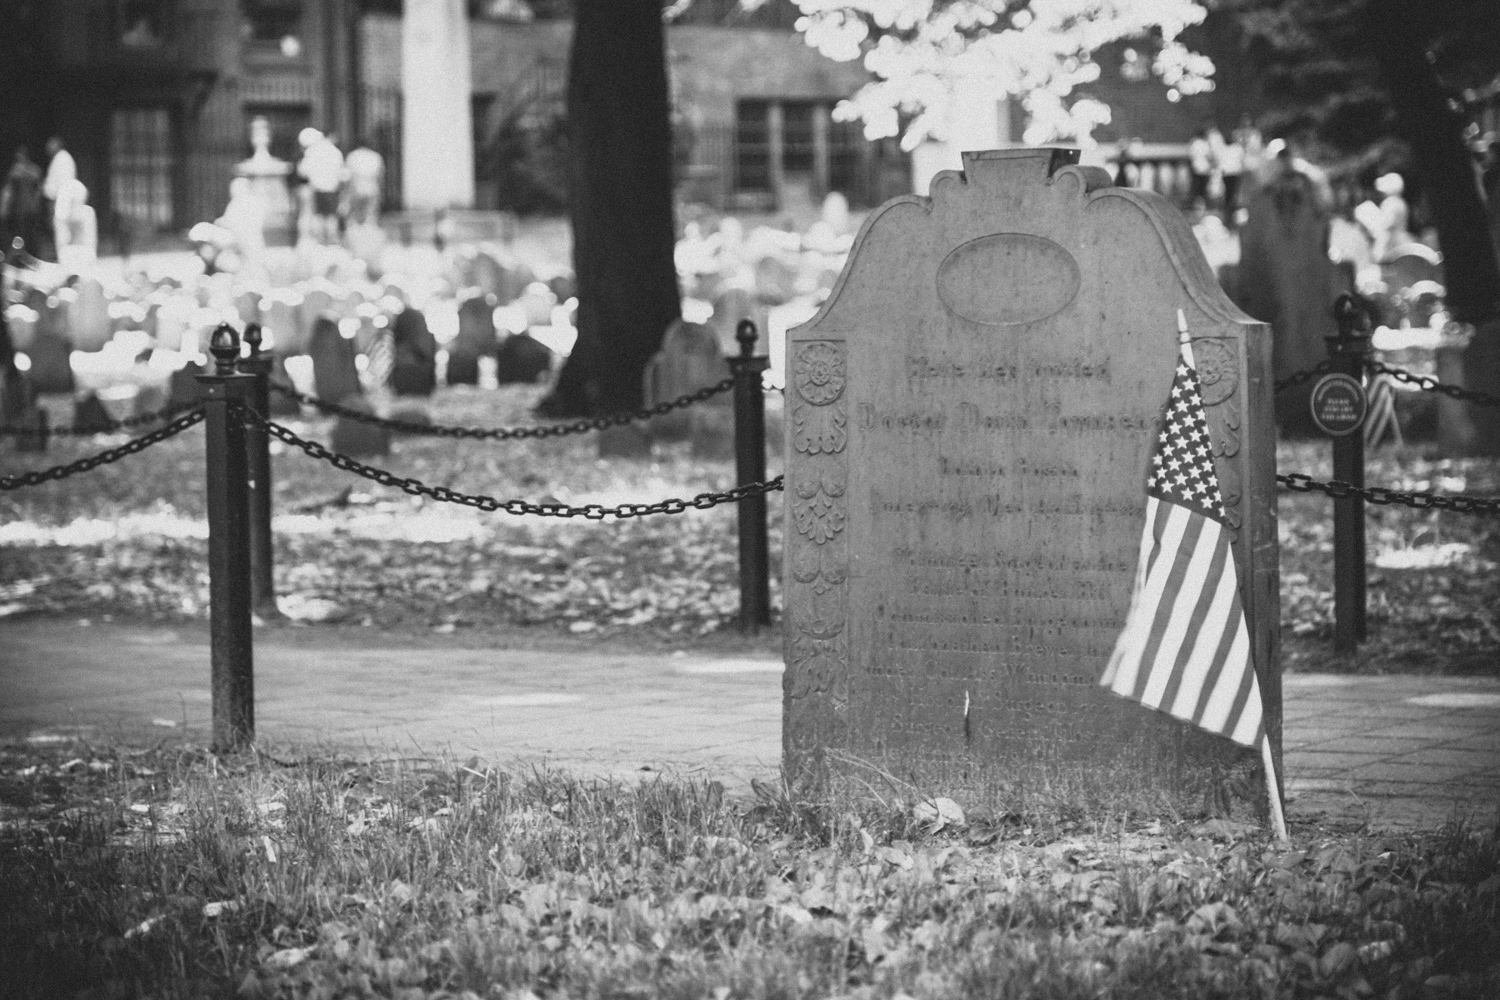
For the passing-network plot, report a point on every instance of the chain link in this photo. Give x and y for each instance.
(592, 512)
(508, 433)
(1300, 482)
(1321, 368)
(1429, 384)
(104, 457)
(112, 427)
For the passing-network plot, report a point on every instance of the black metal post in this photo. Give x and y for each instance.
(1347, 353)
(258, 458)
(224, 392)
(750, 467)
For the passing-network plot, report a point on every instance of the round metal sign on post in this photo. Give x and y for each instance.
(1338, 404)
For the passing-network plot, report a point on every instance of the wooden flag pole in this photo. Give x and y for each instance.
(1273, 791)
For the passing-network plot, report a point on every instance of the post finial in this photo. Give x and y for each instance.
(744, 332)
(253, 338)
(1352, 317)
(224, 345)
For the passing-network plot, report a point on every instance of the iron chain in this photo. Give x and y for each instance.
(1300, 482)
(415, 487)
(104, 457)
(1321, 368)
(1429, 384)
(112, 427)
(509, 433)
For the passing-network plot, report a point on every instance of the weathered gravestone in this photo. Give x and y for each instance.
(356, 437)
(522, 358)
(689, 360)
(729, 308)
(970, 419)
(51, 370)
(335, 375)
(89, 324)
(476, 339)
(1286, 279)
(414, 355)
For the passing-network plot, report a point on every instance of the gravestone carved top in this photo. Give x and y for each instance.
(970, 417)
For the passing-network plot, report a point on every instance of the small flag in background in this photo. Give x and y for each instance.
(1185, 649)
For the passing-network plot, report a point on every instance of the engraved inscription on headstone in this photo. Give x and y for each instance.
(969, 421)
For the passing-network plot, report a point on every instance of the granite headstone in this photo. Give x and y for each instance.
(521, 359)
(689, 360)
(475, 339)
(51, 370)
(970, 418)
(356, 437)
(1286, 279)
(335, 375)
(414, 358)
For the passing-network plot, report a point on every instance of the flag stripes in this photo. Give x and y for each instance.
(1185, 648)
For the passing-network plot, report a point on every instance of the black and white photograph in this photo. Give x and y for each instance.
(749, 499)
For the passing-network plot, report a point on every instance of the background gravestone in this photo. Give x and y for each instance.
(1286, 279)
(522, 359)
(969, 420)
(689, 360)
(89, 324)
(335, 376)
(732, 306)
(476, 339)
(51, 370)
(355, 437)
(414, 360)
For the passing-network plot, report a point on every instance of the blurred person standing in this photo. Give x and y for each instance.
(1231, 157)
(1201, 164)
(76, 228)
(322, 167)
(365, 170)
(62, 170)
(21, 210)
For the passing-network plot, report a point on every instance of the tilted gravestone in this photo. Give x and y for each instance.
(476, 339)
(970, 419)
(414, 355)
(335, 375)
(1286, 279)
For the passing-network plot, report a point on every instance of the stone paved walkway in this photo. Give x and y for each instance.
(1397, 752)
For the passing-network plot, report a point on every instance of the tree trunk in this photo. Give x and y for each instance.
(620, 143)
(1434, 130)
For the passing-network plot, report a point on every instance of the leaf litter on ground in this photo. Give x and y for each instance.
(434, 878)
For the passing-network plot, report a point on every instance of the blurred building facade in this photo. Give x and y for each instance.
(154, 99)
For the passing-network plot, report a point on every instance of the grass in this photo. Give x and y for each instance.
(127, 540)
(168, 872)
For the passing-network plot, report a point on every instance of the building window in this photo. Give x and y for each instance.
(752, 146)
(141, 24)
(141, 165)
(273, 27)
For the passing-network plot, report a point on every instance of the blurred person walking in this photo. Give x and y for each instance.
(22, 213)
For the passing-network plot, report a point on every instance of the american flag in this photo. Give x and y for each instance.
(1185, 649)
